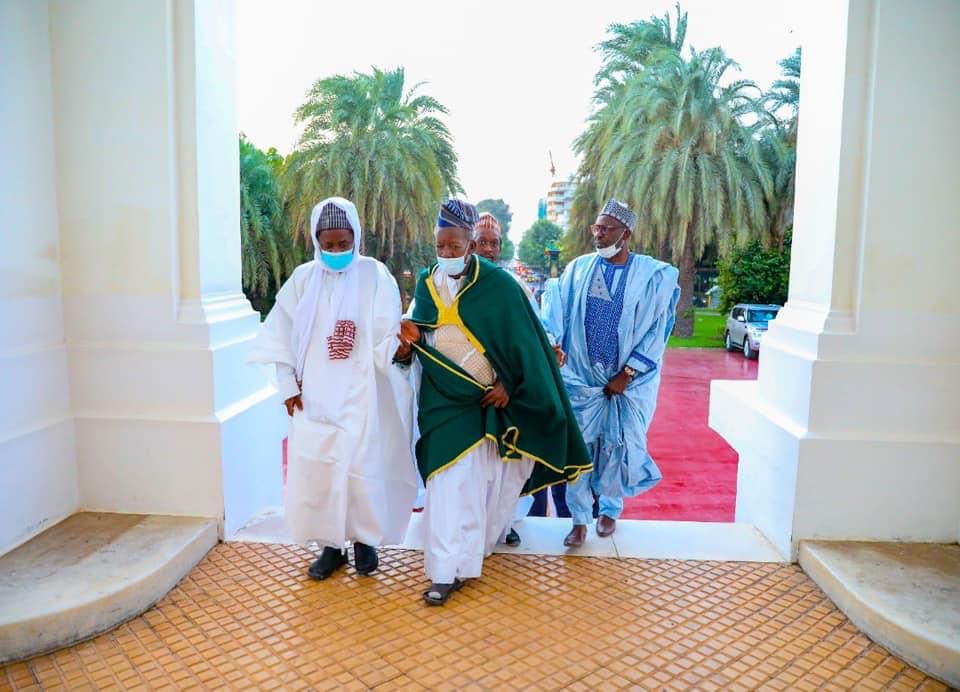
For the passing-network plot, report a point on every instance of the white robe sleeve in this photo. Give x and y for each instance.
(661, 299)
(287, 386)
(551, 311)
(274, 341)
(386, 319)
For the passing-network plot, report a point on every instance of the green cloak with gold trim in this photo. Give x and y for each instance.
(538, 423)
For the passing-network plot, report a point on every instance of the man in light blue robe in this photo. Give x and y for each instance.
(611, 315)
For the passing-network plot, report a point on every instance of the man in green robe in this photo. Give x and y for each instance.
(494, 416)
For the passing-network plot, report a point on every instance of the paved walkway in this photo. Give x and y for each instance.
(699, 467)
(247, 618)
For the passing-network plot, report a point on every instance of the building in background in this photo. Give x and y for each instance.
(560, 202)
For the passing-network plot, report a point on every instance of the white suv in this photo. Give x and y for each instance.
(746, 325)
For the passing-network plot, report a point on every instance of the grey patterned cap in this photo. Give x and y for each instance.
(332, 216)
(621, 212)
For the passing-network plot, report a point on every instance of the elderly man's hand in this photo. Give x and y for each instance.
(617, 384)
(403, 353)
(409, 333)
(496, 397)
(561, 356)
(293, 403)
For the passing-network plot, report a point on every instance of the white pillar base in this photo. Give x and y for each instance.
(38, 467)
(838, 440)
(845, 488)
(171, 420)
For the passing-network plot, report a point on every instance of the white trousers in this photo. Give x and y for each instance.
(469, 505)
(522, 509)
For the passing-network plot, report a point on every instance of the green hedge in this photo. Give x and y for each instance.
(755, 274)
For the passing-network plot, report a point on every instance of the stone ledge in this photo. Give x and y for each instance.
(635, 538)
(905, 596)
(91, 572)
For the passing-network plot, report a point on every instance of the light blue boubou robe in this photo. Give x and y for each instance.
(619, 424)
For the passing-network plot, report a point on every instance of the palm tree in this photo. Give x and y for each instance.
(779, 146)
(384, 147)
(691, 156)
(629, 50)
(672, 144)
(785, 92)
(779, 151)
(267, 251)
(632, 47)
(679, 153)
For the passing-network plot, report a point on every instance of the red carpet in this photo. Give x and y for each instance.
(699, 467)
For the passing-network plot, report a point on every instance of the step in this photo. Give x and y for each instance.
(91, 572)
(635, 538)
(905, 596)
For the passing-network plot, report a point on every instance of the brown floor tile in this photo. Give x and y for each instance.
(248, 618)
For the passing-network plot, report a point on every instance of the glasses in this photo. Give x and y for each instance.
(600, 229)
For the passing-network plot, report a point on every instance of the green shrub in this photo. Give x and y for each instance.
(755, 274)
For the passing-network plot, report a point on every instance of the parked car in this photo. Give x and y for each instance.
(746, 325)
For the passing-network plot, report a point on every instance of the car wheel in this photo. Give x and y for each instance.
(748, 352)
(728, 342)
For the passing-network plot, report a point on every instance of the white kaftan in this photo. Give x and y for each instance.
(350, 473)
(470, 504)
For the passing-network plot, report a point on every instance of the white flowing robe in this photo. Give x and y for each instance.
(350, 474)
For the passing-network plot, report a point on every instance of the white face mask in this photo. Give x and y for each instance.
(452, 266)
(613, 249)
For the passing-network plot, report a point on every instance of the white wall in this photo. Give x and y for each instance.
(157, 327)
(38, 472)
(851, 429)
(123, 385)
(883, 459)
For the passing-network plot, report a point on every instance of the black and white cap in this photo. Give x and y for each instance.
(332, 216)
(621, 212)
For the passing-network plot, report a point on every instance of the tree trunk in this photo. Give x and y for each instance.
(688, 270)
(664, 254)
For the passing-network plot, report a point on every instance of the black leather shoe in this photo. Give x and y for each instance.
(365, 559)
(513, 538)
(330, 561)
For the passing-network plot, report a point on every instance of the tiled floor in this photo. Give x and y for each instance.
(247, 617)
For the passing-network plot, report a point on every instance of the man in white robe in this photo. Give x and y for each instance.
(332, 336)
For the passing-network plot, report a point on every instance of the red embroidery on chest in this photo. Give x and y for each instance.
(340, 344)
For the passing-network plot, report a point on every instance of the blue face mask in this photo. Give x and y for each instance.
(452, 266)
(337, 261)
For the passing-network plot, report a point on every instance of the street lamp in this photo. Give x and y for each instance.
(553, 253)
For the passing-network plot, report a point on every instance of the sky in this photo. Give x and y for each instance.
(516, 76)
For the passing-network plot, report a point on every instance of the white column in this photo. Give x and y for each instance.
(852, 430)
(168, 417)
(38, 470)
